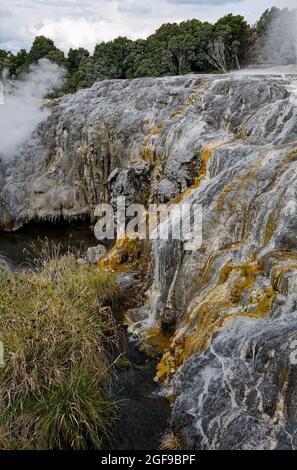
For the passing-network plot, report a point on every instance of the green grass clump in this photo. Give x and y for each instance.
(56, 328)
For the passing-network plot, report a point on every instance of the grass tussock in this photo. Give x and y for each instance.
(171, 442)
(56, 328)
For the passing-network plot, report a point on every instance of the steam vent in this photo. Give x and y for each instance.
(221, 320)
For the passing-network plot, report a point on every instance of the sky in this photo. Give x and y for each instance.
(84, 23)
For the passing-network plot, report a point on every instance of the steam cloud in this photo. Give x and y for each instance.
(21, 111)
(280, 43)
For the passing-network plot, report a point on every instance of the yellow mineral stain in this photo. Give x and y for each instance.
(223, 196)
(278, 273)
(166, 367)
(157, 128)
(155, 342)
(147, 146)
(292, 156)
(221, 303)
(192, 99)
(218, 305)
(224, 300)
(270, 227)
(178, 112)
(242, 134)
(206, 154)
(126, 253)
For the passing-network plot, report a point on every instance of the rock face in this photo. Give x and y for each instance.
(241, 392)
(63, 170)
(228, 311)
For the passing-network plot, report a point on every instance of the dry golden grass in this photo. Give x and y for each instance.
(171, 442)
(56, 328)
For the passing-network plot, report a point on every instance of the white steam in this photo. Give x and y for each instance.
(21, 111)
(275, 53)
(280, 42)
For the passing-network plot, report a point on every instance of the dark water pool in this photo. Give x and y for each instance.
(16, 248)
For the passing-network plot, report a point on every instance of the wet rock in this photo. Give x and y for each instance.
(127, 281)
(131, 183)
(95, 253)
(113, 175)
(168, 318)
(236, 394)
(166, 190)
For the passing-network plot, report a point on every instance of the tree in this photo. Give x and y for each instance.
(192, 46)
(57, 57)
(5, 60)
(112, 57)
(201, 35)
(235, 33)
(234, 54)
(156, 60)
(88, 73)
(41, 47)
(18, 62)
(216, 55)
(75, 57)
(181, 48)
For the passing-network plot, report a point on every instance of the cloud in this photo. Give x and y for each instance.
(203, 2)
(5, 13)
(88, 32)
(141, 7)
(12, 37)
(73, 23)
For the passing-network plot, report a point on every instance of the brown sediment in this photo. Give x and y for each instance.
(147, 146)
(157, 128)
(292, 156)
(223, 196)
(242, 134)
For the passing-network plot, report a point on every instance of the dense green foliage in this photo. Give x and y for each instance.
(174, 49)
